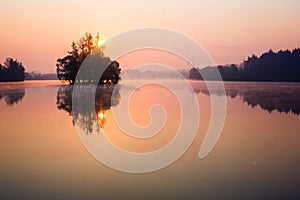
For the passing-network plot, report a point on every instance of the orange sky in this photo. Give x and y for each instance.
(38, 32)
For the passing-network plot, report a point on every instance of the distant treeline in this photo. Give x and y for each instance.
(270, 66)
(12, 70)
(39, 76)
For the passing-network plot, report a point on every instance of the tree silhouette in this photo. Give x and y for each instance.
(194, 74)
(12, 70)
(67, 67)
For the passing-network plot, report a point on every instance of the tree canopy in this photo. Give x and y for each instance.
(87, 46)
(12, 70)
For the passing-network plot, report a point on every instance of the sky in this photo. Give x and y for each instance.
(38, 32)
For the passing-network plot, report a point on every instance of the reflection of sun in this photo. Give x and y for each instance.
(101, 119)
(100, 43)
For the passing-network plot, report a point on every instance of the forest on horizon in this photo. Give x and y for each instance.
(280, 66)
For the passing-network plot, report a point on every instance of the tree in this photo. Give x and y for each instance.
(195, 74)
(67, 67)
(12, 70)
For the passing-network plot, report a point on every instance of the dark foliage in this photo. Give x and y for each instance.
(12, 70)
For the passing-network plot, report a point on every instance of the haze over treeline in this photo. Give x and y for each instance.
(283, 65)
(40, 76)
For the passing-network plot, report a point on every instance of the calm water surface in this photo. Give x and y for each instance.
(42, 156)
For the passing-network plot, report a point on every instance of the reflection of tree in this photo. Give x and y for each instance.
(12, 97)
(283, 97)
(88, 117)
(280, 100)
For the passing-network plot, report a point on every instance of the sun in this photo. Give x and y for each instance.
(100, 43)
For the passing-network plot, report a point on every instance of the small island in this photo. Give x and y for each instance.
(90, 48)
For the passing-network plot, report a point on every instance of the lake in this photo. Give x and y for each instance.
(44, 152)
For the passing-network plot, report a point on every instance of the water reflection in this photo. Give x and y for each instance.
(12, 97)
(87, 118)
(282, 97)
